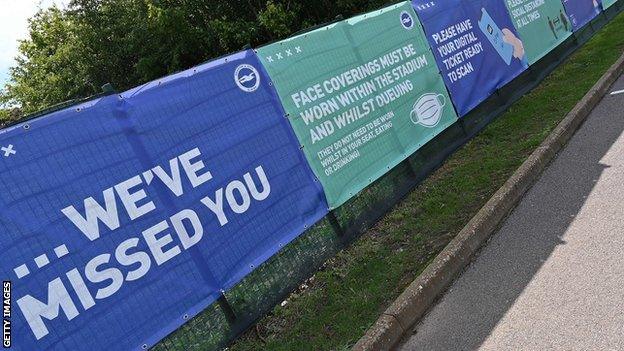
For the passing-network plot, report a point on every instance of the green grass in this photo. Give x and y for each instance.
(348, 295)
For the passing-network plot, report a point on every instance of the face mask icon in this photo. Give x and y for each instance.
(427, 111)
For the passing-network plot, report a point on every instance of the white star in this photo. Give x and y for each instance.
(279, 56)
(8, 151)
(289, 53)
(298, 49)
(270, 59)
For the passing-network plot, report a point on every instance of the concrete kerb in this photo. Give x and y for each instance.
(416, 300)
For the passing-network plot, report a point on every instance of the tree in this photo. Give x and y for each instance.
(9, 115)
(49, 69)
(72, 52)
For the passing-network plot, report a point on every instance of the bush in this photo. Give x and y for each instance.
(72, 52)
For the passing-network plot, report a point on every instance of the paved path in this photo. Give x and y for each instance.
(552, 278)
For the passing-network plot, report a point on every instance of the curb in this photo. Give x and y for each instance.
(416, 300)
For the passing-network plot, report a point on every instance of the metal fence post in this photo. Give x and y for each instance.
(230, 316)
(333, 221)
(108, 89)
(462, 125)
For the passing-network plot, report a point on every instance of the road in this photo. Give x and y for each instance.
(552, 278)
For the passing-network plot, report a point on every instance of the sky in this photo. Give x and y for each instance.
(14, 16)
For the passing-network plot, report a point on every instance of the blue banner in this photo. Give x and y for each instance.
(475, 45)
(124, 217)
(582, 12)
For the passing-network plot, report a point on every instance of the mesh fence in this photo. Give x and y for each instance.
(271, 283)
(258, 293)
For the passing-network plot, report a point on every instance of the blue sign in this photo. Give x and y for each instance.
(582, 12)
(475, 45)
(124, 217)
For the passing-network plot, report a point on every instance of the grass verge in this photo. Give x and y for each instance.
(346, 298)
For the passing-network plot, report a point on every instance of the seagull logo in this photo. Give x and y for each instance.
(407, 21)
(247, 78)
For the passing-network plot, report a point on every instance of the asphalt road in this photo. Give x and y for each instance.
(552, 278)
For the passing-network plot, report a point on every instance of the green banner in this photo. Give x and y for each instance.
(542, 25)
(608, 3)
(362, 95)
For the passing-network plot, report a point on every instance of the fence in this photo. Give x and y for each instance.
(212, 279)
